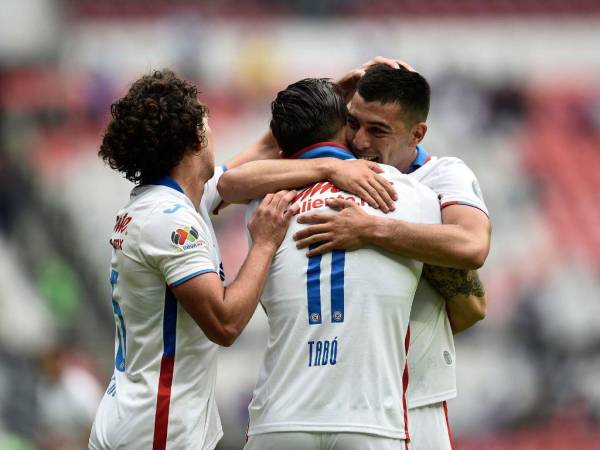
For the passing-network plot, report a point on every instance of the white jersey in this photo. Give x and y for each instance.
(432, 357)
(162, 393)
(335, 360)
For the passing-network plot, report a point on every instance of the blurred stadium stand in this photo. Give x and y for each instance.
(515, 94)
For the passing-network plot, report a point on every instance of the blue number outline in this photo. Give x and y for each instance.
(120, 323)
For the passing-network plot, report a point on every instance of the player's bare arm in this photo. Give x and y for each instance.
(464, 294)
(257, 178)
(222, 313)
(462, 241)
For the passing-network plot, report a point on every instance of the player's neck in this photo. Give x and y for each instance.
(191, 181)
(405, 164)
(340, 137)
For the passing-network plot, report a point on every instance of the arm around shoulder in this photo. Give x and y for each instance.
(255, 179)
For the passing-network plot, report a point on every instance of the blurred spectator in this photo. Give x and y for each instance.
(68, 396)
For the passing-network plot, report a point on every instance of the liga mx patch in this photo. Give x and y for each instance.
(185, 238)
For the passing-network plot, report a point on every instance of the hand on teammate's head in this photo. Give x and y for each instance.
(393, 63)
(348, 81)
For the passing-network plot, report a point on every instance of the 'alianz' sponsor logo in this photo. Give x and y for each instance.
(326, 191)
(185, 238)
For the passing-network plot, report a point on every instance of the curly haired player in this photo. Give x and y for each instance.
(170, 306)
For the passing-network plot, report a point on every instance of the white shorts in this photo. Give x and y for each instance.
(322, 441)
(102, 435)
(429, 428)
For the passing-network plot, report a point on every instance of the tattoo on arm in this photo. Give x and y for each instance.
(452, 282)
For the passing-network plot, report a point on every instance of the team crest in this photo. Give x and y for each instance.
(337, 316)
(315, 317)
(447, 357)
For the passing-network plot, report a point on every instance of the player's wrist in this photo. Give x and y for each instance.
(374, 231)
(365, 229)
(328, 168)
(266, 246)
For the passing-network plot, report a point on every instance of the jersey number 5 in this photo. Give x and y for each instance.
(313, 287)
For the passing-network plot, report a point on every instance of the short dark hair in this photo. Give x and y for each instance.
(153, 126)
(384, 84)
(306, 112)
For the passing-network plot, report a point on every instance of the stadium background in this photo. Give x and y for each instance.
(515, 94)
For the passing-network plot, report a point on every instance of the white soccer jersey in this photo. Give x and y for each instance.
(335, 360)
(432, 357)
(162, 393)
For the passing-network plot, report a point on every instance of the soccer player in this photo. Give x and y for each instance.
(170, 307)
(387, 117)
(334, 374)
(377, 121)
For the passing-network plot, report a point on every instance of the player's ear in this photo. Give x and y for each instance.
(417, 133)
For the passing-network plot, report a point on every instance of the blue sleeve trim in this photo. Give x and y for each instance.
(454, 202)
(189, 277)
(224, 167)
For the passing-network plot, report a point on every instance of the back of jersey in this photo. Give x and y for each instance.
(336, 353)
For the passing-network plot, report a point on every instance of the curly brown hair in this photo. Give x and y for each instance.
(153, 126)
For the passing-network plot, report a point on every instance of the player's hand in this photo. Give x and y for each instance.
(272, 218)
(361, 178)
(343, 230)
(348, 81)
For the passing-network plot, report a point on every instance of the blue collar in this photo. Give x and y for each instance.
(421, 158)
(324, 150)
(168, 182)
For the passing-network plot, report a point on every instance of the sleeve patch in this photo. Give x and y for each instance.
(186, 238)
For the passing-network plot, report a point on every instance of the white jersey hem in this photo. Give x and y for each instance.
(432, 399)
(328, 428)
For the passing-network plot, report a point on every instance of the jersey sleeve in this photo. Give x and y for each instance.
(416, 202)
(429, 207)
(211, 199)
(456, 184)
(178, 245)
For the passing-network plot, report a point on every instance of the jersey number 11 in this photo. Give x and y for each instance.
(313, 287)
